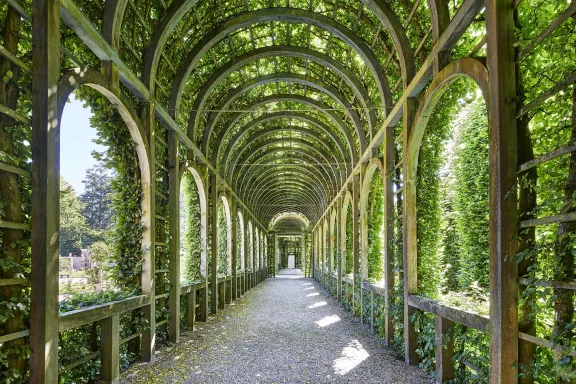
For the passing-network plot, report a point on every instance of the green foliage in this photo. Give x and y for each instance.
(126, 189)
(97, 197)
(223, 240)
(375, 228)
(349, 242)
(72, 222)
(190, 230)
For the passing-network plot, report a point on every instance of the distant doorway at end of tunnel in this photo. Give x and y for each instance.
(291, 261)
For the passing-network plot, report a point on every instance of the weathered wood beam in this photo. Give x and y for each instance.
(45, 191)
(502, 203)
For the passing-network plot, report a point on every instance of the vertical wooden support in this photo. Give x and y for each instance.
(410, 240)
(174, 242)
(204, 303)
(148, 264)
(254, 258)
(222, 295)
(444, 351)
(338, 257)
(191, 312)
(355, 237)
(312, 257)
(440, 19)
(214, 242)
(389, 167)
(503, 178)
(372, 312)
(45, 191)
(110, 350)
(235, 261)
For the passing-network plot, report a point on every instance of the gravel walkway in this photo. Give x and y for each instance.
(286, 330)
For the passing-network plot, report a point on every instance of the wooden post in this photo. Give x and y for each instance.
(444, 363)
(355, 238)
(148, 264)
(503, 179)
(410, 241)
(389, 167)
(222, 294)
(110, 350)
(191, 313)
(174, 242)
(204, 303)
(234, 222)
(372, 311)
(214, 236)
(45, 191)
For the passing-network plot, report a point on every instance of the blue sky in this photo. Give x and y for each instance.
(76, 143)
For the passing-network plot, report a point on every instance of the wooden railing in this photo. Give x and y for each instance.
(108, 316)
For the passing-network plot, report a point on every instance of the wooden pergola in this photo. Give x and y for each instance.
(282, 132)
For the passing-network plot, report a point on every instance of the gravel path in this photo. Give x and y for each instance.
(286, 330)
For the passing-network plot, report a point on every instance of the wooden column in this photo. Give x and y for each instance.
(503, 178)
(355, 237)
(110, 350)
(234, 222)
(222, 295)
(204, 303)
(45, 224)
(214, 235)
(389, 167)
(410, 240)
(191, 313)
(149, 264)
(444, 353)
(338, 236)
(174, 241)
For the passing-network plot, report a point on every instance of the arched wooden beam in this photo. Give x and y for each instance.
(282, 203)
(203, 200)
(277, 14)
(309, 173)
(315, 104)
(265, 184)
(312, 82)
(173, 14)
(112, 21)
(314, 162)
(242, 131)
(302, 191)
(374, 166)
(465, 67)
(306, 131)
(289, 51)
(289, 216)
(327, 159)
(390, 21)
(77, 77)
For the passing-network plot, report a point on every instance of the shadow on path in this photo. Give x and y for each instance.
(286, 330)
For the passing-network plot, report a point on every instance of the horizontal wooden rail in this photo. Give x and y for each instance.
(15, 115)
(378, 289)
(546, 344)
(14, 336)
(468, 319)
(11, 225)
(560, 218)
(195, 285)
(83, 316)
(12, 169)
(79, 361)
(548, 283)
(547, 157)
(4, 282)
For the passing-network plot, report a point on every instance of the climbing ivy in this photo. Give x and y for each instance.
(375, 218)
(190, 230)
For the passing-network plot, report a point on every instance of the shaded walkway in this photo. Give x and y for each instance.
(286, 330)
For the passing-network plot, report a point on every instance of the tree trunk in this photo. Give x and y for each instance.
(563, 247)
(10, 193)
